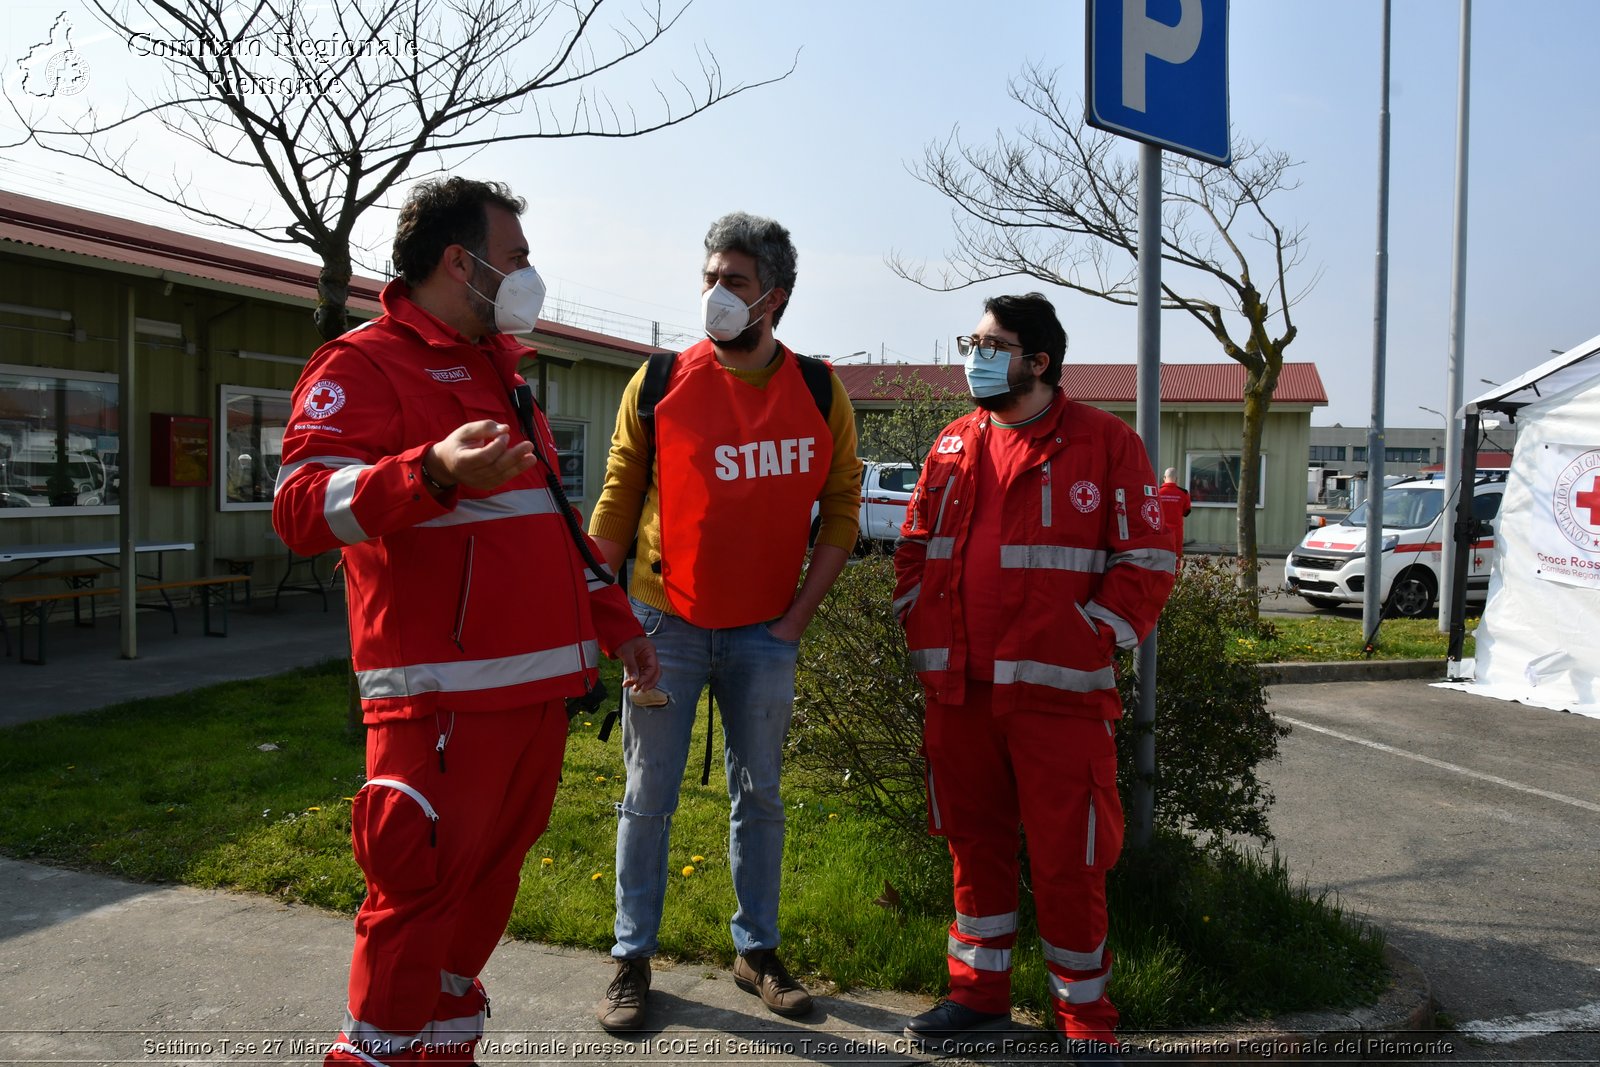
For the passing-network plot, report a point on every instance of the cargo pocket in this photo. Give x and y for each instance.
(395, 832)
(1103, 842)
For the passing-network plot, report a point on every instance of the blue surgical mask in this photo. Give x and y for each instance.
(988, 371)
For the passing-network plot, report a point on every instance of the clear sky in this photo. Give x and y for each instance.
(617, 224)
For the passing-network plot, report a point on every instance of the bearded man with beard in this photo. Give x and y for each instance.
(714, 476)
(1032, 550)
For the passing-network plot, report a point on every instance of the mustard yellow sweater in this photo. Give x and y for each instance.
(630, 501)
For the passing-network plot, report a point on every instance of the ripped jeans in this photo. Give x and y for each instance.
(751, 675)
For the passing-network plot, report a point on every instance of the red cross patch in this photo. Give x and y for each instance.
(1085, 496)
(324, 399)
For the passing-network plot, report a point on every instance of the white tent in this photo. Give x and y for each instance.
(1539, 641)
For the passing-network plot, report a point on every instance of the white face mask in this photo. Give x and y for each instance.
(519, 300)
(724, 315)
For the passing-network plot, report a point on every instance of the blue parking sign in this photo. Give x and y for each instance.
(1157, 71)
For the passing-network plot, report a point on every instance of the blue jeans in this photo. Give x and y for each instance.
(751, 674)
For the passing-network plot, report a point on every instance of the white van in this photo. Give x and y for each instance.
(1329, 566)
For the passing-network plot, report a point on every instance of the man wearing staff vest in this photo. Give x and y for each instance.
(716, 480)
(1033, 548)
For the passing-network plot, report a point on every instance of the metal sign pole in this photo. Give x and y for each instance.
(1458, 315)
(1148, 423)
(1372, 600)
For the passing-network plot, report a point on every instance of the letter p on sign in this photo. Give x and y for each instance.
(1158, 72)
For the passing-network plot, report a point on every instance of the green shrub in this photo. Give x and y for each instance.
(858, 706)
(1212, 725)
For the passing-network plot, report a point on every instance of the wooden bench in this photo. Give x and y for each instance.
(82, 578)
(36, 607)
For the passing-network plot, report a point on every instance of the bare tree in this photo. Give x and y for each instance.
(1056, 202)
(330, 105)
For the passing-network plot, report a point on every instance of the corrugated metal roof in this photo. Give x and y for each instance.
(1098, 383)
(152, 250)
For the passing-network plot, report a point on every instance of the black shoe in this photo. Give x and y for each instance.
(948, 1020)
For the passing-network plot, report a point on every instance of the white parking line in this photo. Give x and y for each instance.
(1442, 765)
(1516, 1027)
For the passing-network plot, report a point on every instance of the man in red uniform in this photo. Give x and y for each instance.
(1033, 548)
(473, 616)
(1175, 506)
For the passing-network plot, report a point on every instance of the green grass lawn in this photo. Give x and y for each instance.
(247, 786)
(1320, 638)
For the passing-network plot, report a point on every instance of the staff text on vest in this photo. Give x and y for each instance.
(765, 459)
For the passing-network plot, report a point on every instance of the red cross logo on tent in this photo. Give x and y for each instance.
(325, 398)
(1589, 500)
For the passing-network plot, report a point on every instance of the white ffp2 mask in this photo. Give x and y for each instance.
(724, 315)
(519, 299)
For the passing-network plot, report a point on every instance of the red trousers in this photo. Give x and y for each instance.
(441, 836)
(1056, 776)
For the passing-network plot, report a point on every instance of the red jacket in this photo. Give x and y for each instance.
(476, 602)
(1087, 565)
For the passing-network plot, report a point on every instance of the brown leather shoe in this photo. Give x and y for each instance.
(761, 972)
(622, 1008)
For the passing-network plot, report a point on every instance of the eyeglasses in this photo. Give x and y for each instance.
(986, 347)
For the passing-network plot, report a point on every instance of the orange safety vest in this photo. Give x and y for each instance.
(739, 467)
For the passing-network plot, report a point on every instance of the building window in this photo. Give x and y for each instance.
(1327, 453)
(571, 455)
(1405, 455)
(1358, 454)
(1213, 480)
(251, 424)
(58, 442)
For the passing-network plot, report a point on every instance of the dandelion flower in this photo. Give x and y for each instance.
(599, 777)
(312, 809)
(697, 859)
(833, 815)
(1205, 918)
(687, 871)
(596, 876)
(547, 861)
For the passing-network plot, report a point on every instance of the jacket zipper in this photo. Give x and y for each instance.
(1044, 503)
(466, 588)
(422, 801)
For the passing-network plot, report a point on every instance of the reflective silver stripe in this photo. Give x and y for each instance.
(938, 520)
(366, 1040)
(1053, 558)
(1075, 961)
(1126, 638)
(599, 583)
(1151, 559)
(1007, 672)
(338, 494)
(1122, 514)
(458, 1031)
(516, 503)
(903, 604)
(929, 659)
(979, 959)
(459, 985)
(1044, 498)
(465, 676)
(1079, 991)
(347, 1047)
(941, 547)
(331, 462)
(1088, 851)
(987, 925)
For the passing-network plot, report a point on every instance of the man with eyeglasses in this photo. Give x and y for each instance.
(1033, 548)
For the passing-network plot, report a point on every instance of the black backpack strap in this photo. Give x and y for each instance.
(658, 371)
(819, 379)
(711, 720)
